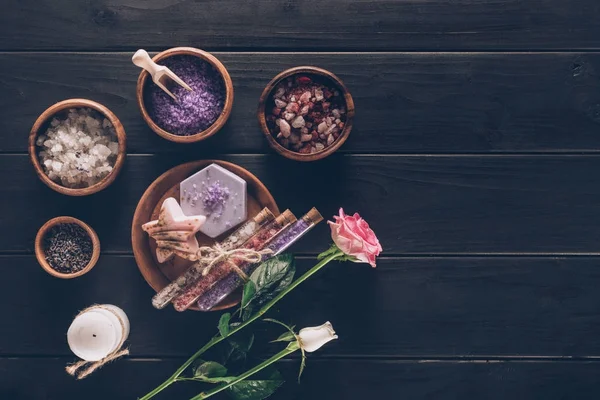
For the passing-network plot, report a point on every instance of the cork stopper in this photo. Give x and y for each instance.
(286, 217)
(313, 216)
(264, 216)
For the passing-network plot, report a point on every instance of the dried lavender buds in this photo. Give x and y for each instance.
(306, 115)
(68, 248)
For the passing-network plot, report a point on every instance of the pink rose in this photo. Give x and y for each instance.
(352, 235)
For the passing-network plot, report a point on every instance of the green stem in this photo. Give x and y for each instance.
(183, 367)
(260, 313)
(252, 371)
(298, 281)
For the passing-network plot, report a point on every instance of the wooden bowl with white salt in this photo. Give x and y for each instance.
(60, 110)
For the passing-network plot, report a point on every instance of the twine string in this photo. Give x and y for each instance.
(213, 255)
(81, 369)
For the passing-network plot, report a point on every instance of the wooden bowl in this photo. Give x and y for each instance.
(167, 185)
(39, 247)
(41, 125)
(217, 125)
(331, 79)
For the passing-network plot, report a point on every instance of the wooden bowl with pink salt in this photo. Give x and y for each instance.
(197, 114)
(306, 113)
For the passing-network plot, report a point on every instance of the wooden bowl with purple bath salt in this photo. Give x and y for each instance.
(77, 147)
(306, 113)
(66, 247)
(196, 114)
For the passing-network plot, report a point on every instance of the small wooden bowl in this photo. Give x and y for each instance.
(41, 125)
(39, 246)
(217, 125)
(331, 79)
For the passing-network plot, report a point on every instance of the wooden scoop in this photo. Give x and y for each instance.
(161, 75)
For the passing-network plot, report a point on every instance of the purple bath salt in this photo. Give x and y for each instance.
(194, 111)
(214, 197)
(278, 245)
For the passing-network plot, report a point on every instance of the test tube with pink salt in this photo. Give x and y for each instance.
(278, 245)
(222, 269)
(194, 273)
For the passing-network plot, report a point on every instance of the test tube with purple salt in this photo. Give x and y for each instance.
(220, 270)
(236, 239)
(278, 245)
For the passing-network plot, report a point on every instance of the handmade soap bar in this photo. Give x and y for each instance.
(174, 232)
(191, 276)
(223, 268)
(218, 194)
(278, 245)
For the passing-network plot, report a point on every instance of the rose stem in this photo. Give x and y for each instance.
(263, 310)
(288, 350)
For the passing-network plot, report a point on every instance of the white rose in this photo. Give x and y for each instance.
(313, 338)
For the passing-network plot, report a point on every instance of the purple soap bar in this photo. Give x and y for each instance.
(218, 194)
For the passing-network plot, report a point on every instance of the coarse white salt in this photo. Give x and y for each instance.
(79, 150)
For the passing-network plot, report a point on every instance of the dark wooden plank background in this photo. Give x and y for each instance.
(502, 307)
(474, 157)
(359, 379)
(299, 25)
(540, 204)
(406, 102)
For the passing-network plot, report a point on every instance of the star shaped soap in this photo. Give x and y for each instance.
(217, 193)
(174, 232)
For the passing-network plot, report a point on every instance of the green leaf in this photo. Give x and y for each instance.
(256, 389)
(224, 324)
(289, 336)
(249, 292)
(210, 372)
(240, 344)
(302, 364)
(269, 279)
(285, 337)
(210, 369)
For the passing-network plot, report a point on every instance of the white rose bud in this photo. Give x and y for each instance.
(313, 338)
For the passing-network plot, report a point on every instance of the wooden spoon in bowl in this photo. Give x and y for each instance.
(161, 75)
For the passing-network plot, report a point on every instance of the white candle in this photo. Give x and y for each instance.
(98, 331)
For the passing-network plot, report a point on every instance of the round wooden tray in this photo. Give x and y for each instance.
(167, 185)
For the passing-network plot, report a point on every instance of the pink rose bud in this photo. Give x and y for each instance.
(354, 237)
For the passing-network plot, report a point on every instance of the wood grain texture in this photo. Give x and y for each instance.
(322, 380)
(416, 204)
(405, 102)
(300, 25)
(407, 307)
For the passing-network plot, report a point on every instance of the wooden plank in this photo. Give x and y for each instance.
(304, 25)
(323, 380)
(406, 103)
(407, 307)
(416, 204)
